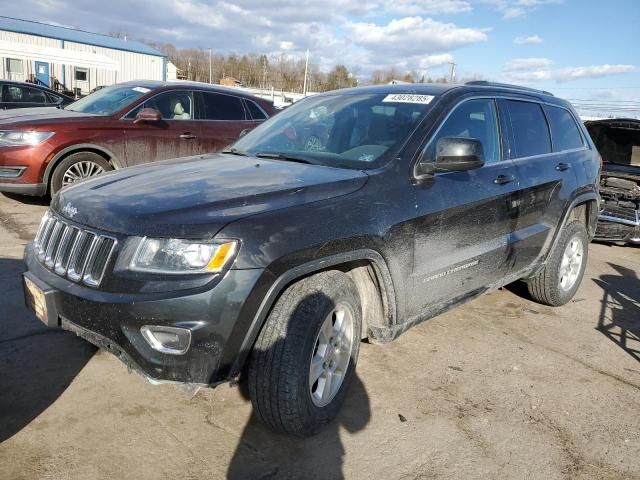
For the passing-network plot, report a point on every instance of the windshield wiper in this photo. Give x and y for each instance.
(235, 151)
(283, 156)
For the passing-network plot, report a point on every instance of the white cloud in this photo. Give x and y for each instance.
(569, 73)
(414, 36)
(518, 64)
(530, 40)
(517, 8)
(427, 7)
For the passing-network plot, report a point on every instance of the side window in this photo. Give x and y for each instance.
(176, 105)
(221, 107)
(13, 93)
(529, 129)
(255, 111)
(33, 95)
(472, 119)
(55, 99)
(564, 131)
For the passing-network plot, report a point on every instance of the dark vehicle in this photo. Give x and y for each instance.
(618, 141)
(25, 95)
(278, 262)
(43, 150)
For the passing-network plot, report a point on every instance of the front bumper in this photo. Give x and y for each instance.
(112, 321)
(34, 189)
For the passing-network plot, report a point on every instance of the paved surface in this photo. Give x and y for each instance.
(499, 388)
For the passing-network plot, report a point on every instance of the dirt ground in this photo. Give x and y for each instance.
(499, 388)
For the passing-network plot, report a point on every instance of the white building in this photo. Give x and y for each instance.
(74, 59)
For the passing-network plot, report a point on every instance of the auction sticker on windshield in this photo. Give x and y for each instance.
(408, 98)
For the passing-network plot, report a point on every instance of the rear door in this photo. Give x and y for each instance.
(223, 117)
(176, 135)
(547, 177)
(464, 219)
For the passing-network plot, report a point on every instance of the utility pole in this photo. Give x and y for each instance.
(210, 70)
(306, 69)
(452, 76)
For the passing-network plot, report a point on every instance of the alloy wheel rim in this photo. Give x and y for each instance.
(571, 263)
(81, 170)
(331, 356)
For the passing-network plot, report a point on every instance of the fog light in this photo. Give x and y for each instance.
(171, 340)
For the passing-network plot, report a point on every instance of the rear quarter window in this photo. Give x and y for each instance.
(529, 129)
(564, 131)
(254, 110)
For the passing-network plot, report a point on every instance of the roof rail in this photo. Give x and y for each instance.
(485, 83)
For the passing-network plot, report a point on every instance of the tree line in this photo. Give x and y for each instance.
(280, 72)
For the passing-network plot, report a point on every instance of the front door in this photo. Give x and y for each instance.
(176, 135)
(464, 219)
(42, 73)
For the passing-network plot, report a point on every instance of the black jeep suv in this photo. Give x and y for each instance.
(275, 260)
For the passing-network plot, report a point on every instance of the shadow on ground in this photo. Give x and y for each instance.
(619, 318)
(37, 363)
(28, 200)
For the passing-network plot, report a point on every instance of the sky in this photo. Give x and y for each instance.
(582, 50)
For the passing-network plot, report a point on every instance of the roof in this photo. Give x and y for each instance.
(185, 85)
(72, 35)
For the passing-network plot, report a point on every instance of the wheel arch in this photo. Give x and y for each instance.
(584, 207)
(77, 148)
(369, 272)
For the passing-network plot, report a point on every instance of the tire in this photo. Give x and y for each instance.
(553, 285)
(89, 163)
(279, 374)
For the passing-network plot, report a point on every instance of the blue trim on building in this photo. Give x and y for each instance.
(72, 35)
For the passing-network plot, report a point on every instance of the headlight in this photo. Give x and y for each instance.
(22, 138)
(169, 255)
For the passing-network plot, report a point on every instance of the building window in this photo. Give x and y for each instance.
(15, 69)
(82, 74)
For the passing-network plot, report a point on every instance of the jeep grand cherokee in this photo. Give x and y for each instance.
(276, 260)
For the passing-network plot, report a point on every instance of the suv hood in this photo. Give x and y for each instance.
(38, 114)
(196, 197)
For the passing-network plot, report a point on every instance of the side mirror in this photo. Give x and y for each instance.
(456, 154)
(147, 115)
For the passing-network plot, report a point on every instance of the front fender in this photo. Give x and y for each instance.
(280, 282)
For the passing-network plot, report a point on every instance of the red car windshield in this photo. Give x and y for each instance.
(109, 100)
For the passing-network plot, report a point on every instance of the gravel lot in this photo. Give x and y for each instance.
(499, 388)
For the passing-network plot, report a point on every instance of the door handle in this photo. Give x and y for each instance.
(561, 167)
(503, 179)
(187, 136)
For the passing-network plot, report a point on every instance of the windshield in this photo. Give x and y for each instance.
(108, 100)
(339, 130)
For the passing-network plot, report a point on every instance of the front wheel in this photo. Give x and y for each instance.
(562, 274)
(305, 356)
(76, 167)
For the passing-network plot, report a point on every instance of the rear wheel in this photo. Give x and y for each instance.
(561, 276)
(305, 356)
(76, 167)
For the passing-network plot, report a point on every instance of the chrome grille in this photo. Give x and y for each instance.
(78, 254)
